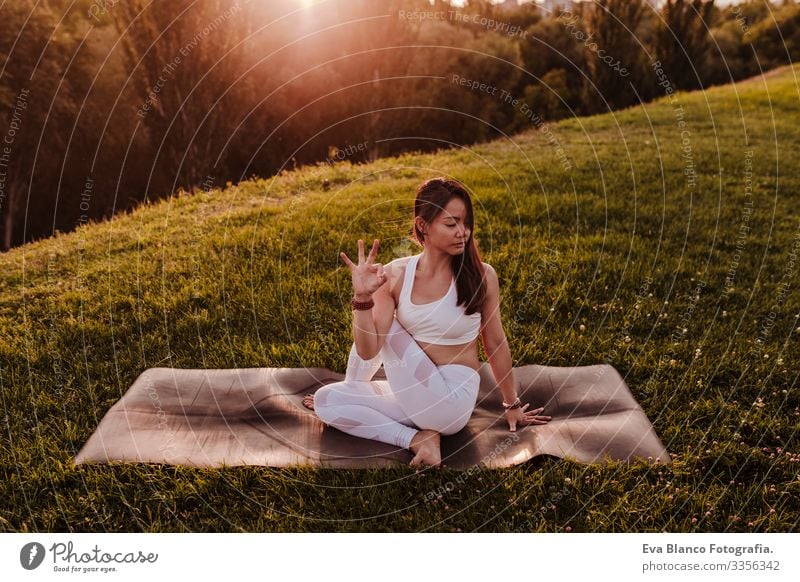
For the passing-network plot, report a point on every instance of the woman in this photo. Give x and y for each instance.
(420, 317)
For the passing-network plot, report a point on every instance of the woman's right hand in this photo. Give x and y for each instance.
(368, 276)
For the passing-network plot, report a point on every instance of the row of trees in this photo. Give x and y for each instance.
(106, 103)
(697, 43)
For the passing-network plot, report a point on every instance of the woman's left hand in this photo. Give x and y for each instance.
(519, 416)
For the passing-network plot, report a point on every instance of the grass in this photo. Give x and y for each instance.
(647, 253)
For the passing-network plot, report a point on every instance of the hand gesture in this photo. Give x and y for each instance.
(368, 276)
(519, 416)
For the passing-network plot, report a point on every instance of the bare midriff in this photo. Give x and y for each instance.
(464, 354)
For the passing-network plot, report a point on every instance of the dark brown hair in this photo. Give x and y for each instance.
(432, 196)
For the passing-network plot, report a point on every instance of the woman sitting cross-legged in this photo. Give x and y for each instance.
(420, 317)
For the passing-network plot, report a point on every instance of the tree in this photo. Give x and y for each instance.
(44, 72)
(184, 66)
(547, 99)
(777, 39)
(613, 52)
(682, 41)
(551, 46)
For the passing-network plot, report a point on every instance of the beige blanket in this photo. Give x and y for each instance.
(254, 416)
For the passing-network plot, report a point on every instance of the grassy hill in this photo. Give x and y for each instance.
(630, 238)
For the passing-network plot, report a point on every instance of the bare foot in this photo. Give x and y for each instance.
(426, 445)
(308, 401)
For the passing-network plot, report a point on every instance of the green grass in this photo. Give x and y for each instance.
(620, 244)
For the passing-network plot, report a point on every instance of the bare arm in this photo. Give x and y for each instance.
(499, 354)
(370, 326)
(494, 338)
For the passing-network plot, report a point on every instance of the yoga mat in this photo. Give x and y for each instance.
(254, 416)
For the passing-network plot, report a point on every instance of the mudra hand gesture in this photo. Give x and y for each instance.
(519, 416)
(368, 276)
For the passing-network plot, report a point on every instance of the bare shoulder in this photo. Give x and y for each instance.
(399, 261)
(396, 267)
(395, 271)
(491, 279)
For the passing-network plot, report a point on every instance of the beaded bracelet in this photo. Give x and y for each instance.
(517, 404)
(362, 305)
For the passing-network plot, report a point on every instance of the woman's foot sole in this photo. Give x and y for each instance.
(426, 445)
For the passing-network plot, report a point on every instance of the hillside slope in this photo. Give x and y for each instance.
(662, 239)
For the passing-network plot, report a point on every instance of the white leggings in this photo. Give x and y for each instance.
(415, 395)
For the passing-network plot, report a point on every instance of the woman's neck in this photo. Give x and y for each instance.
(433, 264)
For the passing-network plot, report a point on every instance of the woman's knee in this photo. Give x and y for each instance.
(323, 400)
(453, 428)
(337, 393)
(445, 427)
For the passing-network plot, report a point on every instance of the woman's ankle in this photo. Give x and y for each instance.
(421, 437)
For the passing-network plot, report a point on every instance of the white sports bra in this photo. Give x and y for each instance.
(440, 322)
